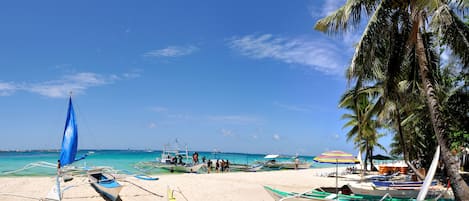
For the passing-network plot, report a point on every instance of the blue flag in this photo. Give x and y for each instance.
(70, 137)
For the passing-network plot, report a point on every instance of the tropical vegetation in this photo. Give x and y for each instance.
(409, 74)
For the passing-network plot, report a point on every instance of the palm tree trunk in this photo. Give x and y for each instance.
(404, 147)
(459, 186)
(366, 156)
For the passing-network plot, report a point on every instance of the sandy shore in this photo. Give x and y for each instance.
(242, 186)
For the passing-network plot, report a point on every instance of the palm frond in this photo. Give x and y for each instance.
(453, 31)
(348, 14)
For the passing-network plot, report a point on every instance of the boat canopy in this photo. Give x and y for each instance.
(270, 156)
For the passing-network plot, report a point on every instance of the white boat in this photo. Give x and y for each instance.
(246, 167)
(425, 191)
(397, 192)
(174, 160)
(294, 163)
(105, 184)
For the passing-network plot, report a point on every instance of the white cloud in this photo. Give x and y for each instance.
(322, 55)
(336, 136)
(227, 133)
(172, 51)
(276, 137)
(235, 119)
(7, 89)
(152, 125)
(330, 6)
(77, 83)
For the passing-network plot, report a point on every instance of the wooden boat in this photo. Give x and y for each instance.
(401, 183)
(105, 184)
(173, 160)
(274, 163)
(396, 192)
(421, 192)
(315, 195)
(246, 167)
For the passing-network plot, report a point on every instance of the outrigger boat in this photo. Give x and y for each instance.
(273, 162)
(316, 195)
(382, 194)
(174, 160)
(104, 183)
(67, 157)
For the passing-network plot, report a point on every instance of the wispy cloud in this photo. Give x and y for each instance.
(323, 55)
(7, 89)
(77, 83)
(296, 108)
(276, 137)
(235, 119)
(226, 132)
(172, 51)
(330, 6)
(152, 125)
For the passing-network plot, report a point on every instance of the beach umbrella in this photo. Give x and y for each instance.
(336, 157)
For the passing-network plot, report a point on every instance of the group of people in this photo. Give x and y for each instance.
(177, 160)
(220, 165)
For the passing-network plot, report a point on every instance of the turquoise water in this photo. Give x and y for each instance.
(118, 159)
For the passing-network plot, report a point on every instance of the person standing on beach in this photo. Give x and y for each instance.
(217, 166)
(222, 165)
(209, 166)
(58, 167)
(297, 162)
(195, 158)
(227, 166)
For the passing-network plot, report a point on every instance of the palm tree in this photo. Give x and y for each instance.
(362, 122)
(409, 20)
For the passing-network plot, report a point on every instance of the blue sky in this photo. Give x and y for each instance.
(237, 76)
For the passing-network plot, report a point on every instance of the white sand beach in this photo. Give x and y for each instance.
(242, 186)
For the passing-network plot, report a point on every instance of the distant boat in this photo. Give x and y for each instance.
(294, 163)
(174, 160)
(67, 157)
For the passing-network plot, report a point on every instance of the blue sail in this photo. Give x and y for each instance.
(70, 137)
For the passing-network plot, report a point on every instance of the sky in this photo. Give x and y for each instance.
(236, 76)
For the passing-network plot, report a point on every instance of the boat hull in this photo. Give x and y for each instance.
(181, 168)
(105, 185)
(287, 196)
(287, 165)
(401, 192)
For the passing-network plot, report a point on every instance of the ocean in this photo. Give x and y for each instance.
(123, 160)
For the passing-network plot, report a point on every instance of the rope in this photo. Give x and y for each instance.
(31, 165)
(21, 196)
(144, 189)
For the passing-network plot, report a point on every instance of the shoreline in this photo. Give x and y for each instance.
(209, 187)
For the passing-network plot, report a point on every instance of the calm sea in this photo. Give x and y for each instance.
(123, 160)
